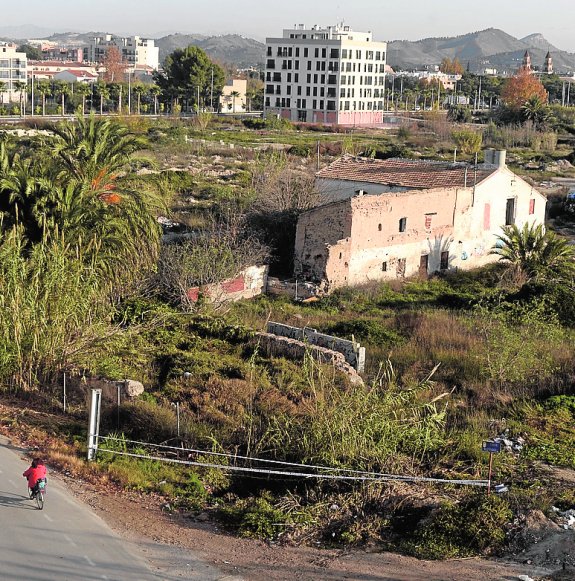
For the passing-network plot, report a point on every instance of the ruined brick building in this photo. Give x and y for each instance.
(394, 218)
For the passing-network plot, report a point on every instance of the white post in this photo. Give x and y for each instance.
(94, 427)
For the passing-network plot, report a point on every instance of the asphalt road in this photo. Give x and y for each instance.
(67, 542)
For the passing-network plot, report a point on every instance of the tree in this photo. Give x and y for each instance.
(2, 90)
(187, 75)
(535, 254)
(104, 94)
(115, 67)
(521, 88)
(234, 95)
(451, 67)
(32, 53)
(83, 90)
(467, 140)
(155, 91)
(44, 89)
(536, 111)
(255, 94)
(64, 90)
(21, 87)
(139, 90)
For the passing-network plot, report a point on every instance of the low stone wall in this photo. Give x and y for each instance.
(352, 351)
(274, 345)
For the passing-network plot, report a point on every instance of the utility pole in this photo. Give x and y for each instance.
(212, 92)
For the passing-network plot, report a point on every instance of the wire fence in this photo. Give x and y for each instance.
(280, 468)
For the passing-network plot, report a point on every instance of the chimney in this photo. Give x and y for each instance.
(489, 156)
(499, 158)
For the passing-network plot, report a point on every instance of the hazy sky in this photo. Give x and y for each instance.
(387, 19)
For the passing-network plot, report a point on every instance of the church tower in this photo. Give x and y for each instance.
(526, 61)
(548, 66)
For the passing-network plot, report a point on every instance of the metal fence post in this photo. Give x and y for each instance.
(94, 426)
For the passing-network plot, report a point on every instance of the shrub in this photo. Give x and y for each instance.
(254, 518)
(476, 525)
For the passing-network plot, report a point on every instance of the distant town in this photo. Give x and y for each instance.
(332, 75)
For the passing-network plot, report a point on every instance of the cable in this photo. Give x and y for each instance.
(373, 478)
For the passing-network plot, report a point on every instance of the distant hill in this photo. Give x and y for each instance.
(229, 48)
(491, 47)
(485, 48)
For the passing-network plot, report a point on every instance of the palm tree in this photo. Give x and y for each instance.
(536, 111)
(535, 254)
(104, 93)
(139, 90)
(234, 95)
(92, 148)
(44, 89)
(21, 87)
(83, 90)
(155, 92)
(64, 91)
(2, 90)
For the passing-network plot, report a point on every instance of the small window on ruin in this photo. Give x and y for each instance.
(402, 224)
(384, 267)
(379, 227)
(531, 207)
(340, 255)
(444, 263)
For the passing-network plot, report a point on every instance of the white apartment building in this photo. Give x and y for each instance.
(325, 75)
(13, 67)
(135, 51)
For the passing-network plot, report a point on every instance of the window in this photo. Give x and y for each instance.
(510, 212)
(424, 265)
(323, 53)
(400, 270)
(531, 207)
(316, 52)
(305, 52)
(444, 260)
(428, 220)
(402, 224)
(384, 267)
(379, 227)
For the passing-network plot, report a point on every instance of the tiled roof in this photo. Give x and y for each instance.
(405, 172)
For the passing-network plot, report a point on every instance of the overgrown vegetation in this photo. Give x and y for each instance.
(450, 361)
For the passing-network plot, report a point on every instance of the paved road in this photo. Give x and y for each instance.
(67, 542)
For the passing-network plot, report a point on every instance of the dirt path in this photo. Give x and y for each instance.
(141, 519)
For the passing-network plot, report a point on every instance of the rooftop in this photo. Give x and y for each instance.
(405, 172)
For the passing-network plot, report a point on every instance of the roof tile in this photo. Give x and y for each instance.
(405, 172)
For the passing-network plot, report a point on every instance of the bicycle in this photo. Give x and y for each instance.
(38, 494)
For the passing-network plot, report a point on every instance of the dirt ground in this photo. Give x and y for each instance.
(141, 519)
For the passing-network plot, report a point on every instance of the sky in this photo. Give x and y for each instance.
(387, 19)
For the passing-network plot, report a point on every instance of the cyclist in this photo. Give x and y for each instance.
(35, 474)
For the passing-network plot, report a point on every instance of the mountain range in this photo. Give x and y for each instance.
(486, 48)
(478, 50)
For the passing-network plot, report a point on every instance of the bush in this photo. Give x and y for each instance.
(254, 518)
(474, 526)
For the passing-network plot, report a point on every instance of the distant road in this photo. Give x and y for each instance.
(67, 542)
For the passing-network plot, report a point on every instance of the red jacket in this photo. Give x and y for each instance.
(35, 474)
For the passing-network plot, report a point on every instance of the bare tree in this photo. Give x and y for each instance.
(216, 254)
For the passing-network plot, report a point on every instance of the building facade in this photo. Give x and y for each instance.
(135, 51)
(13, 70)
(233, 97)
(407, 218)
(325, 75)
